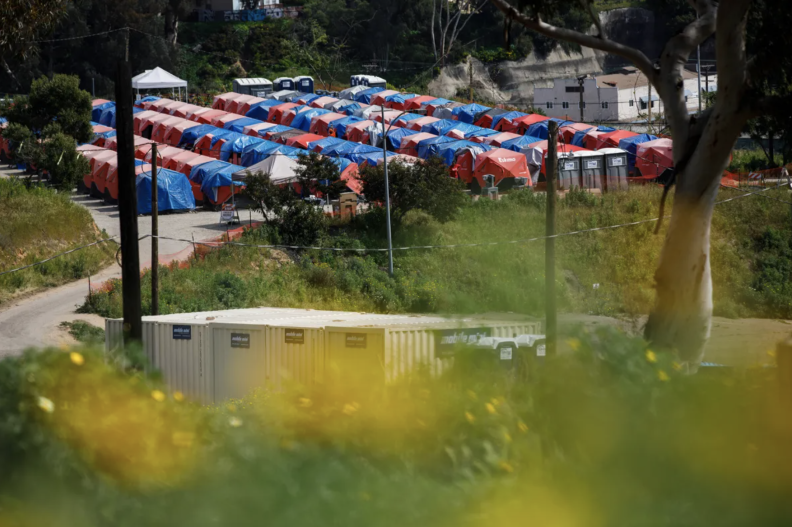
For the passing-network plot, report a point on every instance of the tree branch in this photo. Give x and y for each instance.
(601, 43)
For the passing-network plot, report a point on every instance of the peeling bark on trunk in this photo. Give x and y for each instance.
(171, 27)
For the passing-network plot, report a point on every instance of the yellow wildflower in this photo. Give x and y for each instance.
(235, 422)
(574, 344)
(349, 409)
(506, 467)
(650, 356)
(178, 396)
(677, 366)
(490, 408)
(304, 402)
(472, 395)
(158, 396)
(46, 405)
(470, 417)
(231, 408)
(522, 426)
(662, 375)
(77, 358)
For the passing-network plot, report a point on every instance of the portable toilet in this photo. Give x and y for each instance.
(257, 87)
(375, 82)
(284, 83)
(304, 84)
(592, 169)
(615, 169)
(354, 80)
(568, 171)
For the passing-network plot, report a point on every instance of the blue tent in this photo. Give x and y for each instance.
(325, 143)
(96, 113)
(341, 125)
(371, 157)
(630, 144)
(239, 125)
(303, 119)
(349, 109)
(365, 95)
(309, 97)
(507, 115)
(348, 149)
(577, 139)
(449, 150)
(483, 132)
(540, 129)
(439, 127)
(213, 175)
(260, 110)
(226, 135)
(105, 135)
(395, 136)
(238, 146)
(406, 118)
(108, 117)
(518, 143)
(342, 163)
(467, 113)
(258, 152)
(149, 98)
(278, 128)
(192, 134)
(465, 128)
(135, 110)
(400, 98)
(174, 191)
(429, 147)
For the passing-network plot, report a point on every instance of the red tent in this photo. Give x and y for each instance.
(195, 114)
(111, 185)
(611, 139)
(170, 107)
(654, 157)
(389, 116)
(172, 162)
(497, 140)
(101, 169)
(206, 117)
(417, 124)
(501, 163)
(378, 99)
(164, 153)
(174, 133)
(161, 129)
(289, 116)
(142, 146)
(158, 105)
(186, 166)
(235, 104)
(242, 108)
(357, 132)
(301, 141)
(590, 139)
(320, 124)
(523, 123)
(220, 120)
(220, 101)
(409, 144)
(99, 129)
(139, 117)
(321, 101)
(257, 130)
(97, 102)
(148, 124)
(416, 102)
(204, 145)
(275, 114)
(90, 152)
(567, 133)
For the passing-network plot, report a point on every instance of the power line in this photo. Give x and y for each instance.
(79, 37)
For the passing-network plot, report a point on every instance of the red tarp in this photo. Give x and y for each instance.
(654, 157)
(320, 124)
(497, 140)
(276, 112)
(235, 105)
(567, 133)
(220, 101)
(417, 124)
(409, 144)
(611, 139)
(257, 130)
(244, 108)
(378, 99)
(416, 102)
(161, 128)
(301, 141)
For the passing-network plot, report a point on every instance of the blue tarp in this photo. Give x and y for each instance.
(483, 132)
(342, 163)
(135, 110)
(213, 175)
(508, 115)
(448, 150)
(396, 135)
(192, 134)
(238, 146)
(371, 157)
(465, 128)
(108, 117)
(437, 102)
(325, 143)
(400, 98)
(174, 191)
(278, 128)
(226, 135)
(365, 95)
(349, 148)
(439, 127)
(518, 143)
(303, 119)
(260, 110)
(106, 135)
(349, 109)
(309, 97)
(406, 117)
(630, 144)
(3, 120)
(577, 139)
(239, 125)
(96, 113)
(429, 147)
(258, 152)
(540, 129)
(150, 98)
(341, 125)
(467, 113)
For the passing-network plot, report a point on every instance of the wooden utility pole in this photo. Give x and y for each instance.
(154, 233)
(127, 205)
(126, 45)
(581, 80)
(551, 170)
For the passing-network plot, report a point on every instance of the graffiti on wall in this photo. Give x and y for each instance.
(249, 15)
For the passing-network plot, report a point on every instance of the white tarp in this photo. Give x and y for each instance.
(369, 112)
(157, 78)
(350, 93)
(280, 169)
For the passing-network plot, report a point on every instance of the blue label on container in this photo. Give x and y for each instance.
(182, 332)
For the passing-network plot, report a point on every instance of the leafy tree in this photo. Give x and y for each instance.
(319, 174)
(62, 162)
(174, 10)
(753, 80)
(24, 146)
(60, 101)
(425, 186)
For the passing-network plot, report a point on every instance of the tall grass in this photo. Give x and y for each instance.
(504, 277)
(36, 223)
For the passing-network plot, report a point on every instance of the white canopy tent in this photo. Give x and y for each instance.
(157, 79)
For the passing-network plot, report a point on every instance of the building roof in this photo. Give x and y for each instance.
(630, 77)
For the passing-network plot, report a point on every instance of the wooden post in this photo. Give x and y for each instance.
(649, 119)
(154, 233)
(127, 206)
(551, 169)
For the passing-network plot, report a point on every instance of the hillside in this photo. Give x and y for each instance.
(39, 223)
(751, 260)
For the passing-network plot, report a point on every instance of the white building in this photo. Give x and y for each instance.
(620, 96)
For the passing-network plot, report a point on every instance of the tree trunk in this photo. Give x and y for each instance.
(682, 316)
(171, 27)
(771, 149)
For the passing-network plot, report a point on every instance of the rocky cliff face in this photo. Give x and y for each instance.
(513, 82)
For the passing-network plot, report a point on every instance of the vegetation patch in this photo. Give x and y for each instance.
(84, 332)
